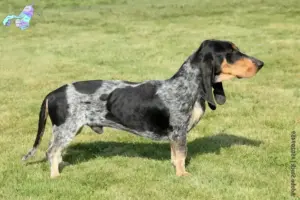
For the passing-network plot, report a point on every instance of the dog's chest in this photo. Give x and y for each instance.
(197, 112)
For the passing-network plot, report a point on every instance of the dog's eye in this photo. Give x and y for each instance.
(230, 57)
(230, 50)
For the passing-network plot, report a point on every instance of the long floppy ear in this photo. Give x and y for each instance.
(219, 93)
(207, 78)
(205, 62)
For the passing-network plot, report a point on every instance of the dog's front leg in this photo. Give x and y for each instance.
(178, 153)
(173, 155)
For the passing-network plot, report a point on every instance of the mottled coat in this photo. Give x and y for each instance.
(156, 109)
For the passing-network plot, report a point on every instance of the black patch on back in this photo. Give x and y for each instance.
(58, 106)
(139, 108)
(87, 87)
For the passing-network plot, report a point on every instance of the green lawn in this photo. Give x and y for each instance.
(241, 151)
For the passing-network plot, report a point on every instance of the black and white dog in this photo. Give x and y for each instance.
(157, 109)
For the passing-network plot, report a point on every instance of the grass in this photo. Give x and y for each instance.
(239, 151)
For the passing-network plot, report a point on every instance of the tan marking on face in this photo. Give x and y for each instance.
(224, 77)
(243, 68)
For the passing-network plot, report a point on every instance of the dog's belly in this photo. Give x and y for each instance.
(145, 134)
(197, 113)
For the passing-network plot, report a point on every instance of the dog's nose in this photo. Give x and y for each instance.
(258, 63)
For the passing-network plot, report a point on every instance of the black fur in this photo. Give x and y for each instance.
(58, 105)
(139, 108)
(87, 87)
(204, 60)
(219, 93)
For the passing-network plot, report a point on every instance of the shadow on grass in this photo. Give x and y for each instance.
(157, 150)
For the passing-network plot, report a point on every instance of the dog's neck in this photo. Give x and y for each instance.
(186, 81)
(187, 70)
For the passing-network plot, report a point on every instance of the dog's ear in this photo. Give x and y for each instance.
(204, 60)
(207, 79)
(219, 93)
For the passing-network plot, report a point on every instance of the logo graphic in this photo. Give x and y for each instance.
(22, 20)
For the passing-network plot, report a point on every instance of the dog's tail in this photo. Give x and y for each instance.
(41, 128)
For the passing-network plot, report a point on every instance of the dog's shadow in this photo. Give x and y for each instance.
(154, 150)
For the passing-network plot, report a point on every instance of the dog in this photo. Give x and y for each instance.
(157, 109)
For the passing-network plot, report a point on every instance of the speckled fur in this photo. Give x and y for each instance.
(178, 102)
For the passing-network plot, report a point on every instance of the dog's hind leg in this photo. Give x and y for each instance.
(62, 136)
(53, 154)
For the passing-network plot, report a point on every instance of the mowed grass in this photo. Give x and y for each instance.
(239, 151)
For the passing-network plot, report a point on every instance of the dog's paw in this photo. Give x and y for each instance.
(54, 176)
(183, 174)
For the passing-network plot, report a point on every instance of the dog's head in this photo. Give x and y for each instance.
(219, 61)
